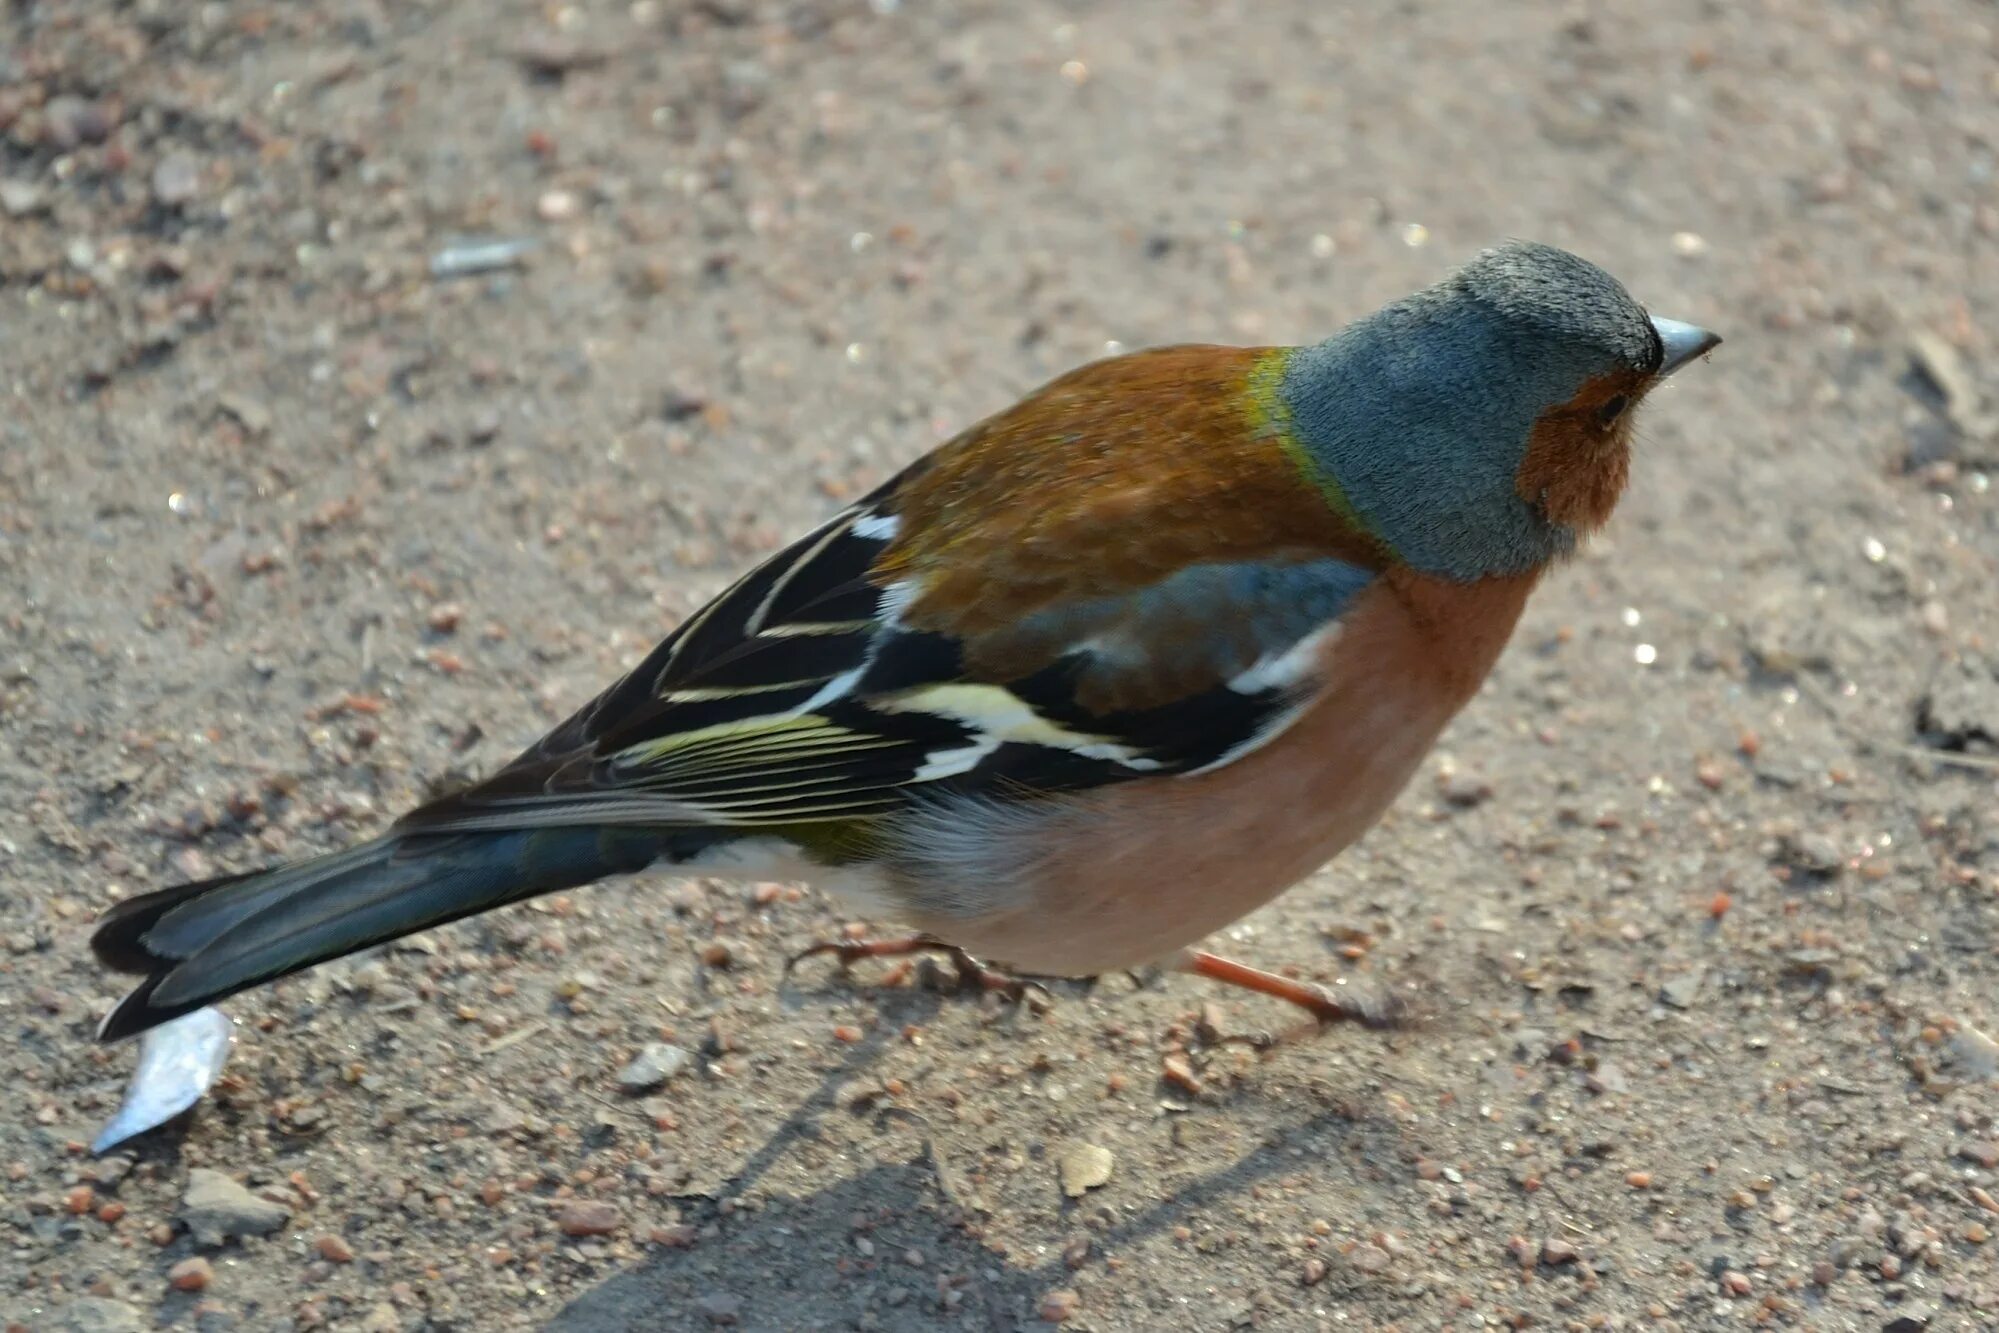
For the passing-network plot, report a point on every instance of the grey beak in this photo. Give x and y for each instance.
(1683, 342)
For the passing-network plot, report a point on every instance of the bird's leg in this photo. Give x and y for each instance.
(1319, 1001)
(972, 974)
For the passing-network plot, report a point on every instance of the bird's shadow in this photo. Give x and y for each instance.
(795, 1263)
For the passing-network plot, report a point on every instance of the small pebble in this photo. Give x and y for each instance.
(719, 1308)
(69, 121)
(1313, 1272)
(656, 1064)
(590, 1217)
(1735, 1284)
(1085, 1167)
(1181, 1074)
(1975, 1051)
(1058, 1306)
(176, 179)
(334, 1249)
(1462, 789)
(191, 1275)
(18, 198)
(1368, 1258)
(1607, 1079)
(216, 1208)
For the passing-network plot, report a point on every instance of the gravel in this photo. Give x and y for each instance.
(216, 1209)
(299, 527)
(654, 1066)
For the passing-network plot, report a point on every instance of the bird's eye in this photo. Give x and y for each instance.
(1613, 408)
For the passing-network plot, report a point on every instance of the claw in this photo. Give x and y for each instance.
(848, 952)
(971, 973)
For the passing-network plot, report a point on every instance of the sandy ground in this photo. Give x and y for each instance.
(1701, 895)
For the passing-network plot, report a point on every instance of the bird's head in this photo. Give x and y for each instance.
(1483, 424)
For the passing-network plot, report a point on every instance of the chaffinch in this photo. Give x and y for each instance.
(1099, 676)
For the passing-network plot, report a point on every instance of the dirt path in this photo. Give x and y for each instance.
(293, 530)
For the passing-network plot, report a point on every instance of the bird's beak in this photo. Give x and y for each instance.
(1683, 342)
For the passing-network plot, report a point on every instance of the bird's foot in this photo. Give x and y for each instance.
(1324, 1003)
(972, 975)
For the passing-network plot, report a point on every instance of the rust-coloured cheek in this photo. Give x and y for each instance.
(1576, 467)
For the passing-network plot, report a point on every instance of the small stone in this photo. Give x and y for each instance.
(719, 1308)
(1679, 992)
(215, 1208)
(69, 122)
(717, 954)
(1368, 1258)
(1313, 1272)
(557, 206)
(1975, 1051)
(1523, 1251)
(94, 1314)
(191, 1274)
(1463, 790)
(1084, 1168)
(251, 415)
(1608, 1079)
(176, 178)
(1984, 1152)
(382, 1318)
(1736, 1284)
(1058, 1306)
(1556, 1252)
(1181, 1074)
(1815, 852)
(590, 1217)
(111, 1170)
(19, 198)
(551, 57)
(334, 1249)
(656, 1064)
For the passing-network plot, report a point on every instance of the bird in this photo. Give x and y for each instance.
(1087, 683)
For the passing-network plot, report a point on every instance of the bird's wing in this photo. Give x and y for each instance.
(1125, 575)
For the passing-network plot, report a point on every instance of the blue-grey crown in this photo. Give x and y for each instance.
(1422, 411)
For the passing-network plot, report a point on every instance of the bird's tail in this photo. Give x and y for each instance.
(197, 943)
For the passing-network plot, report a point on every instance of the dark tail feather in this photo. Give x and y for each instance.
(197, 943)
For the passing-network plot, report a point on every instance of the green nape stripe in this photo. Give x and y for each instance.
(1270, 415)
